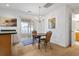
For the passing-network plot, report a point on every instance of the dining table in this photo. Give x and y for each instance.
(39, 35)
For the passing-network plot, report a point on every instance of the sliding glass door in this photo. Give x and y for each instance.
(26, 29)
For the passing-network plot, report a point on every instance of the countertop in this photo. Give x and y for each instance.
(8, 32)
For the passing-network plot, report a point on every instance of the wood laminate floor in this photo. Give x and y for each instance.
(29, 50)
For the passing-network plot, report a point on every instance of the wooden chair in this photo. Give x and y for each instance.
(47, 39)
(34, 35)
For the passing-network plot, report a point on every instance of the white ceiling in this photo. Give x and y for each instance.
(33, 7)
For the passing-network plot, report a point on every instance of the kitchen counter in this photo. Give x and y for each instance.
(8, 32)
(5, 42)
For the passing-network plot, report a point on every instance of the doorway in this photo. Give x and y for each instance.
(75, 29)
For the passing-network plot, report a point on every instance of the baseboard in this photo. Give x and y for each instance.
(59, 44)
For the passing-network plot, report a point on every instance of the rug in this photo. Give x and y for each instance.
(27, 42)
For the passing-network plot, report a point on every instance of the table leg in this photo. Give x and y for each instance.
(39, 43)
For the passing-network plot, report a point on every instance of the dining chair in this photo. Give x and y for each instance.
(46, 40)
(34, 35)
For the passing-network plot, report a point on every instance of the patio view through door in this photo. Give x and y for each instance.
(26, 29)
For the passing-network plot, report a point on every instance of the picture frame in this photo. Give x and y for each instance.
(8, 21)
(52, 23)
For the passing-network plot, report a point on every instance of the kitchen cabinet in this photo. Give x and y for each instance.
(5, 43)
(77, 36)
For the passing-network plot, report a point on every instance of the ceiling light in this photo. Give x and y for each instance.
(7, 5)
(40, 17)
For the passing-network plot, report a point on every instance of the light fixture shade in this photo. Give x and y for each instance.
(40, 16)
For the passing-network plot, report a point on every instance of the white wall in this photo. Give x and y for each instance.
(60, 34)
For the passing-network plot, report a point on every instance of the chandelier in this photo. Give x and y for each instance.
(39, 15)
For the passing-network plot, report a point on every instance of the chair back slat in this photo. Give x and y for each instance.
(34, 33)
(48, 36)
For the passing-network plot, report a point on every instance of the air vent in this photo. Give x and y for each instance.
(48, 5)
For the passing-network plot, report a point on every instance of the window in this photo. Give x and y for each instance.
(26, 27)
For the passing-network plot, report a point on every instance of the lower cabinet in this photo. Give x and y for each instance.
(77, 36)
(5, 44)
